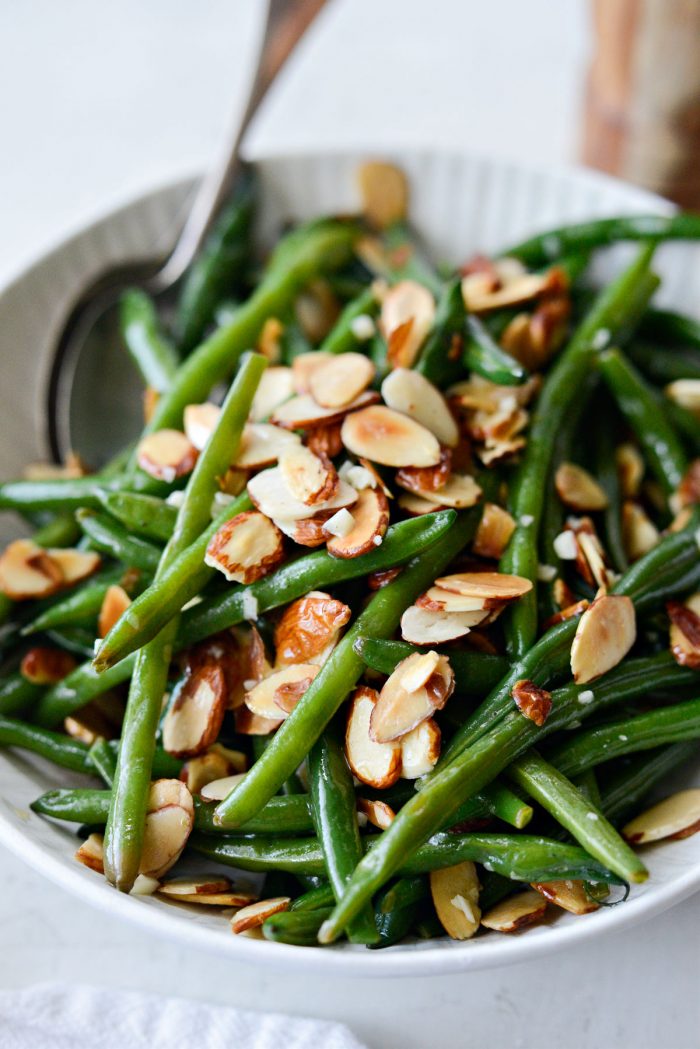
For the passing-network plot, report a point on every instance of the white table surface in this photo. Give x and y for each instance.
(104, 101)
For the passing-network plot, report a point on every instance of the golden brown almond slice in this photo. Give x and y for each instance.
(45, 666)
(588, 551)
(275, 387)
(374, 764)
(673, 818)
(630, 469)
(384, 192)
(480, 296)
(91, 853)
(114, 605)
(684, 635)
(416, 506)
(378, 813)
(269, 339)
(407, 391)
(232, 898)
(199, 422)
(339, 381)
(688, 493)
(261, 700)
(399, 710)
(516, 912)
(406, 317)
(255, 914)
(420, 750)
(307, 477)
(460, 491)
(370, 520)
(194, 718)
(325, 440)
(455, 893)
(27, 571)
(438, 600)
(311, 531)
(570, 895)
(569, 612)
(303, 367)
(309, 628)
(250, 724)
(303, 413)
(389, 438)
(420, 626)
(639, 533)
(246, 547)
(578, 489)
(205, 768)
(378, 580)
(494, 532)
(270, 494)
(262, 444)
(166, 455)
(218, 789)
(605, 633)
(418, 669)
(686, 393)
(75, 565)
(500, 450)
(169, 823)
(491, 588)
(532, 701)
(427, 478)
(208, 891)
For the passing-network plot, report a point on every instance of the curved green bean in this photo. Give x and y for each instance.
(152, 353)
(112, 538)
(146, 515)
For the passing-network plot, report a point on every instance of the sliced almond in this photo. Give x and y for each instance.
(684, 636)
(378, 580)
(418, 669)
(384, 191)
(234, 652)
(275, 387)
(194, 719)
(370, 520)
(270, 494)
(262, 444)
(409, 392)
(303, 367)
(639, 533)
(455, 893)
(378, 813)
(460, 491)
(339, 381)
(630, 469)
(570, 895)
(250, 724)
(480, 296)
(374, 764)
(209, 891)
(399, 710)
(262, 700)
(303, 413)
(406, 317)
(374, 473)
(420, 750)
(75, 565)
(203, 769)
(245, 548)
(325, 440)
(491, 588)
(569, 612)
(91, 853)
(532, 701)
(578, 489)
(385, 436)
(416, 506)
(686, 393)
(688, 493)
(269, 339)
(46, 666)
(101, 718)
(676, 817)
(166, 455)
(114, 605)
(605, 633)
(218, 789)
(426, 478)
(515, 912)
(169, 823)
(494, 532)
(309, 628)
(420, 626)
(255, 914)
(27, 571)
(307, 477)
(438, 600)
(200, 421)
(311, 531)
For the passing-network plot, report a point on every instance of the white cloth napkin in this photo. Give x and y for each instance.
(61, 1016)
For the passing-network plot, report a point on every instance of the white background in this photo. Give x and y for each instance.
(102, 101)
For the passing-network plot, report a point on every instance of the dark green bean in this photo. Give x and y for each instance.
(104, 760)
(56, 747)
(81, 606)
(627, 788)
(607, 476)
(109, 536)
(438, 360)
(662, 364)
(483, 355)
(147, 515)
(17, 695)
(152, 353)
(671, 327)
(300, 928)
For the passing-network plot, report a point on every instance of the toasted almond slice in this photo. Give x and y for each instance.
(302, 413)
(605, 633)
(311, 531)
(630, 469)
(46, 666)
(270, 494)
(409, 392)
(253, 916)
(385, 436)
(426, 478)
(303, 367)
(686, 393)
(325, 440)
(378, 813)
(262, 444)
(688, 493)
(27, 571)
(114, 605)
(497, 451)
(203, 769)
(76, 565)
(309, 628)
(200, 421)
(194, 719)
(374, 473)
(676, 817)
(423, 627)
(91, 853)
(231, 898)
(460, 491)
(375, 764)
(578, 489)
(378, 580)
(211, 892)
(515, 912)
(250, 724)
(532, 701)
(307, 477)
(570, 895)
(276, 386)
(218, 789)
(370, 520)
(418, 670)
(438, 600)
(406, 317)
(166, 454)
(384, 192)
(269, 339)
(480, 297)
(246, 547)
(455, 892)
(588, 552)
(399, 710)
(488, 587)
(288, 693)
(420, 750)
(639, 533)
(569, 612)
(494, 532)
(684, 636)
(169, 823)
(416, 506)
(261, 700)
(339, 381)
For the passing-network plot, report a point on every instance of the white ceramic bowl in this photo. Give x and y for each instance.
(461, 204)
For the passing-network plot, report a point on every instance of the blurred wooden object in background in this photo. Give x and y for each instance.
(642, 119)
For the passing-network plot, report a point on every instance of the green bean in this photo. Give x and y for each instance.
(614, 308)
(219, 268)
(81, 605)
(69, 494)
(483, 355)
(17, 695)
(475, 672)
(78, 640)
(78, 688)
(125, 824)
(607, 476)
(626, 789)
(146, 515)
(338, 676)
(398, 256)
(671, 327)
(660, 445)
(437, 360)
(507, 805)
(664, 365)
(335, 817)
(588, 785)
(577, 814)
(397, 909)
(152, 353)
(56, 747)
(110, 537)
(300, 928)
(684, 422)
(62, 531)
(104, 760)
(313, 899)
(342, 336)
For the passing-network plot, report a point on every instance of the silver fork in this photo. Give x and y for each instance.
(89, 372)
